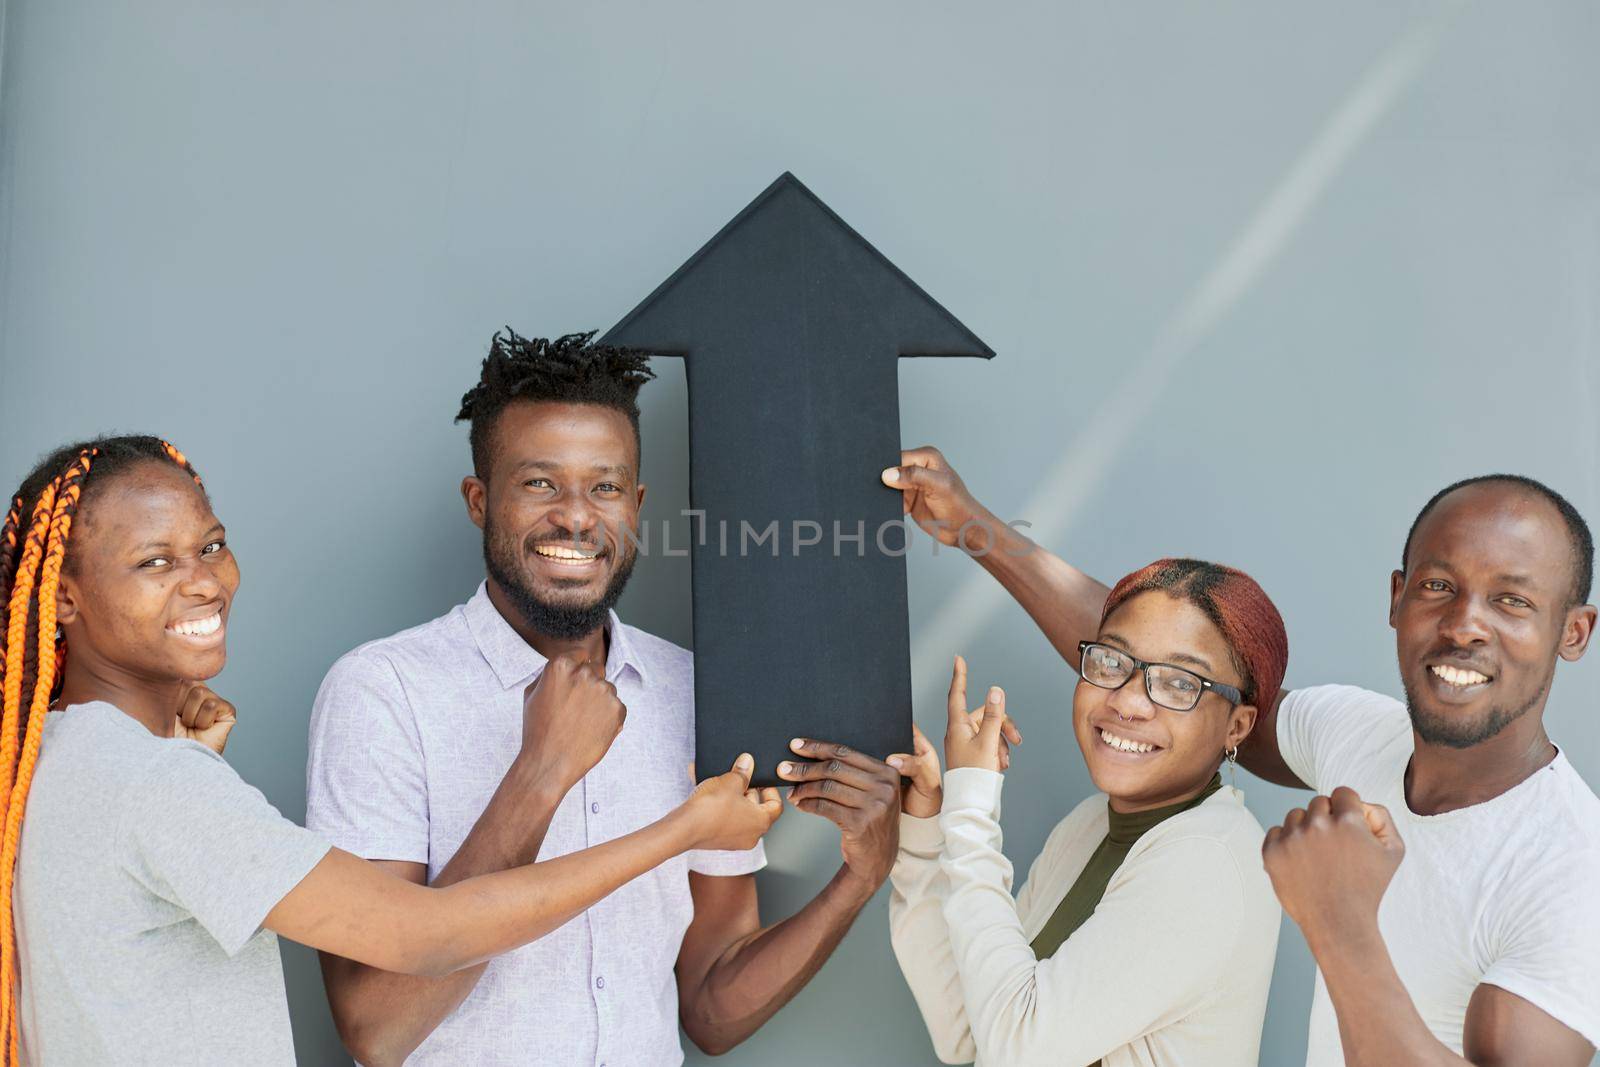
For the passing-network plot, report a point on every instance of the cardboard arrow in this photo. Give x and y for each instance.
(792, 327)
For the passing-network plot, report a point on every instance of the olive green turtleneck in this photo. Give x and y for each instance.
(1123, 829)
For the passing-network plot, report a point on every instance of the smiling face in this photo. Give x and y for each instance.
(559, 512)
(1138, 753)
(148, 580)
(1482, 612)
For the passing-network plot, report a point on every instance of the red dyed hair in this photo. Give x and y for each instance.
(1232, 600)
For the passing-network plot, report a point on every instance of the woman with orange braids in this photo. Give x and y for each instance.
(150, 880)
(1145, 933)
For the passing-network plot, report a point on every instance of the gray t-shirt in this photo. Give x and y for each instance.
(146, 867)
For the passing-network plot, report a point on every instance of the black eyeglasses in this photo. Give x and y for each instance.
(1174, 688)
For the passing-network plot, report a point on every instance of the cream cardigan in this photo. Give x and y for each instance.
(1171, 970)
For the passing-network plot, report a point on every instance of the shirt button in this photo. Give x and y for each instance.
(600, 983)
(595, 807)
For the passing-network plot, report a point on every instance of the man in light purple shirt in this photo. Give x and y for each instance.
(431, 752)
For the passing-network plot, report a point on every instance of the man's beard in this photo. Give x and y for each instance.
(1455, 732)
(564, 621)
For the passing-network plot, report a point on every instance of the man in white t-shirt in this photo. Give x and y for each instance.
(1483, 946)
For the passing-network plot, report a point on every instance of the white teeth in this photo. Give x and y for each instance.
(563, 553)
(1124, 744)
(1458, 677)
(198, 627)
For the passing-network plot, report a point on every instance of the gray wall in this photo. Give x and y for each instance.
(1294, 265)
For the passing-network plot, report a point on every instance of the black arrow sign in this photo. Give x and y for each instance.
(792, 326)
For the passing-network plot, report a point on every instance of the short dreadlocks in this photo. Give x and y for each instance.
(567, 370)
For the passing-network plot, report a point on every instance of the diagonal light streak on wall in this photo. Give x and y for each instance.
(1064, 490)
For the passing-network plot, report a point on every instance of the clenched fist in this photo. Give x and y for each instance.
(1331, 861)
(204, 717)
(570, 716)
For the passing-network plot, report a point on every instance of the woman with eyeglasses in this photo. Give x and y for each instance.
(1145, 933)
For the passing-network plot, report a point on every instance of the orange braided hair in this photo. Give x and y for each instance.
(180, 459)
(8, 544)
(33, 655)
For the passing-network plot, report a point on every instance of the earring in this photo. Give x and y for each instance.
(1233, 762)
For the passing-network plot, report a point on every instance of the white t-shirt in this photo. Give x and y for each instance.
(1505, 892)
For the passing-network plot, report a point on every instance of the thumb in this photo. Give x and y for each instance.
(1381, 823)
(912, 480)
(218, 734)
(744, 767)
(994, 716)
(214, 735)
(904, 477)
(920, 767)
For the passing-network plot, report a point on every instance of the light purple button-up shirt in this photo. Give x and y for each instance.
(411, 736)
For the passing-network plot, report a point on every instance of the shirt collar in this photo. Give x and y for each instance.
(515, 662)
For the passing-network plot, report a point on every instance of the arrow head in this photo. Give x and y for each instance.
(783, 260)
